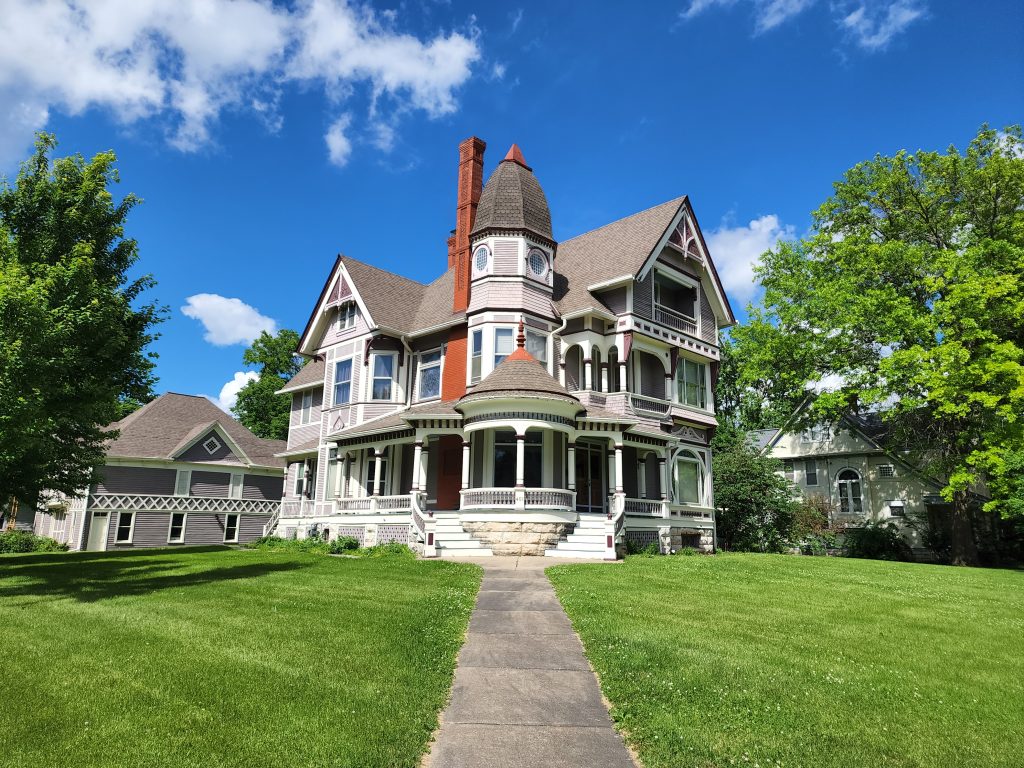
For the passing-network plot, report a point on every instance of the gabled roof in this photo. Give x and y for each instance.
(310, 375)
(160, 429)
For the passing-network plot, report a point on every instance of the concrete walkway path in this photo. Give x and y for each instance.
(524, 695)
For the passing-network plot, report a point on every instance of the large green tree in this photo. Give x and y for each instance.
(74, 328)
(258, 407)
(908, 297)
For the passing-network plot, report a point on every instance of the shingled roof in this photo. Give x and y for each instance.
(311, 374)
(162, 427)
(519, 375)
(513, 199)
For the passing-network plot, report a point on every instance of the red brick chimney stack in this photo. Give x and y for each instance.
(471, 183)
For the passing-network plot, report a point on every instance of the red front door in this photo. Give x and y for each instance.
(449, 473)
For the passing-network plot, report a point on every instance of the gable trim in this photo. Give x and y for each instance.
(213, 426)
(338, 271)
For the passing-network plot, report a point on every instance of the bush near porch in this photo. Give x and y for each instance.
(222, 657)
(749, 659)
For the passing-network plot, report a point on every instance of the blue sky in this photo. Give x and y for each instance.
(266, 139)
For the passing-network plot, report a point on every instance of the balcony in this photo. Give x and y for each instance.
(651, 407)
(374, 505)
(673, 319)
(518, 498)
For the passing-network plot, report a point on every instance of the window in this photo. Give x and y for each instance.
(503, 344)
(347, 314)
(212, 445)
(787, 469)
(691, 383)
(537, 346)
(176, 534)
(306, 411)
(679, 299)
(896, 509)
(305, 478)
(342, 381)
(813, 434)
(182, 482)
(231, 528)
(476, 357)
(850, 502)
(125, 528)
(430, 375)
(480, 258)
(383, 376)
(538, 263)
(810, 472)
(235, 490)
(689, 479)
(332, 473)
(886, 470)
(371, 472)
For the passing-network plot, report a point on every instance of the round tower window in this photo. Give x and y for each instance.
(538, 262)
(480, 258)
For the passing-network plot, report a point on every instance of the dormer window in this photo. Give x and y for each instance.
(481, 258)
(347, 314)
(537, 263)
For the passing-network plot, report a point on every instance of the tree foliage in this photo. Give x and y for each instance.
(73, 327)
(258, 407)
(755, 503)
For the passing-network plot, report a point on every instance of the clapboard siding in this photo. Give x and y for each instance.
(506, 256)
(266, 487)
(708, 324)
(615, 300)
(153, 480)
(643, 297)
(197, 453)
(201, 528)
(511, 295)
(210, 484)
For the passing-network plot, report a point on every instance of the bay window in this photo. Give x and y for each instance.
(503, 344)
(537, 346)
(476, 356)
(691, 383)
(689, 479)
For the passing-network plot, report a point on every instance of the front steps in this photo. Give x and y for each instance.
(586, 541)
(451, 539)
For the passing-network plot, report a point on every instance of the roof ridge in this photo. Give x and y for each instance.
(417, 283)
(676, 200)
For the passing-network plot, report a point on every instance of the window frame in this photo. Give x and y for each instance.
(810, 470)
(683, 383)
(131, 528)
(789, 470)
(217, 445)
(421, 367)
(305, 412)
(886, 471)
(236, 485)
(846, 504)
(476, 355)
(689, 457)
(512, 344)
(185, 474)
(392, 379)
(348, 313)
(170, 528)
(544, 338)
(684, 282)
(347, 382)
(238, 526)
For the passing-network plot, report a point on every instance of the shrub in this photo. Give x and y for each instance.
(391, 549)
(877, 540)
(23, 541)
(277, 544)
(343, 544)
(650, 550)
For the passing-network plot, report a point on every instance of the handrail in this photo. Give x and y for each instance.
(650, 507)
(648, 404)
(271, 524)
(518, 498)
(373, 505)
(674, 319)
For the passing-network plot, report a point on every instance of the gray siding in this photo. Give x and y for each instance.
(266, 487)
(210, 484)
(708, 323)
(150, 480)
(199, 454)
(201, 528)
(615, 300)
(643, 297)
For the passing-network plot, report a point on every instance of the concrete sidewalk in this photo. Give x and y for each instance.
(524, 694)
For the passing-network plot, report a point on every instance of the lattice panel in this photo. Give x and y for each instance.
(641, 538)
(389, 533)
(184, 504)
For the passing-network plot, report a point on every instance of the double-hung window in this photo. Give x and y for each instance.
(125, 528)
(503, 344)
(430, 375)
(182, 482)
(537, 346)
(342, 381)
(306, 408)
(231, 528)
(689, 479)
(691, 383)
(383, 377)
(810, 472)
(476, 356)
(305, 479)
(176, 534)
(788, 469)
(347, 314)
(235, 489)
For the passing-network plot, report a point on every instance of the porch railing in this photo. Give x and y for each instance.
(373, 505)
(646, 507)
(642, 405)
(692, 511)
(549, 498)
(518, 498)
(422, 525)
(674, 319)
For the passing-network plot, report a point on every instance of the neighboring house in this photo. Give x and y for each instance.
(846, 465)
(538, 397)
(181, 472)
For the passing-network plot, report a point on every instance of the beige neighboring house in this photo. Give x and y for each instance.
(847, 465)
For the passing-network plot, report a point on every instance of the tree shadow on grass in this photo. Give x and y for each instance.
(91, 577)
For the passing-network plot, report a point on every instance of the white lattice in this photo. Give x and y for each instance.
(184, 504)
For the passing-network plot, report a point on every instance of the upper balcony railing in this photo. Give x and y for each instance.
(642, 405)
(673, 319)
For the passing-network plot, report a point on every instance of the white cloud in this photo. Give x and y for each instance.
(871, 24)
(736, 250)
(498, 71)
(517, 18)
(227, 321)
(229, 392)
(188, 61)
(338, 145)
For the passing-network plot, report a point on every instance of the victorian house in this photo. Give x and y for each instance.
(536, 398)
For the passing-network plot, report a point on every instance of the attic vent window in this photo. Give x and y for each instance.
(538, 263)
(212, 445)
(481, 257)
(886, 470)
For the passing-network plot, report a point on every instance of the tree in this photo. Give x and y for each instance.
(755, 502)
(258, 407)
(73, 327)
(908, 296)
(748, 402)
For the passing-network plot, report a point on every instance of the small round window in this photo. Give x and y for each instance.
(538, 262)
(480, 258)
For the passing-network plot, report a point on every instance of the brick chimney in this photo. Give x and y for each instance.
(471, 183)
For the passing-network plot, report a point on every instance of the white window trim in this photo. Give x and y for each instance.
(304, 417)
(170, 525)
(131, 530)
(708, 406)
(686, 282)
(238, 527)
(807, 482)
(419, 374)
(370, 377)
(547, 342)
(469, 367)
(351, 376)
(187, 475)
(348, 315)
(236, 485)
(494, 345)
(702, 481)
(217, 445)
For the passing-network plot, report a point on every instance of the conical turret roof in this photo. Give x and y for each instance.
(513, 199)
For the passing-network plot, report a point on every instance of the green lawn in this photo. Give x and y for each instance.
(225, 658)
(766, 660)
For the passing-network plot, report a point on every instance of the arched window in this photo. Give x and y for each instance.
(574, 368)
(850, 502)
(613, 370)
(595, 369)
(689, 478)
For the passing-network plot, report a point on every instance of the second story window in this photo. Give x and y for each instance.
(306, 407)
(691, 383)
(503, 344)
(537, 346)
(476, 357)
(383, 377)
(430, 375)
(342, 381)
(347, 314)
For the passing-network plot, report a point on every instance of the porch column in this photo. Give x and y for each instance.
(604, 377)
(561, 372)
(668, 387)
(618, 467)
(520, 461)
(348, 474)
(663, 476)
(622, 376)
(570, 467)
(611, 472)
(588, 373)
(465, 464)
(417, 461)
(339, 474)
(378, 481)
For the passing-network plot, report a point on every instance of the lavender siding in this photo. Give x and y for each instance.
(199, 454)
(136, 480)
(506, 257)
(201, 528)
(512, 295)
(333, 335)
(266, 487)
(210, 484)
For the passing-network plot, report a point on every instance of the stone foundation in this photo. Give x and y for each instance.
(506, 538)
(674, 539)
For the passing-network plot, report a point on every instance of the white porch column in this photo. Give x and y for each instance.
(611, 472)
(604, 377)
(570, 467)
(417, 462)
(520, 461)
(378, 481)
(663, 476)
(588, 373)
(465, 464)
(561, 372)
(339, 474)
(618, 468)
(668, 387)
(622, 376)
